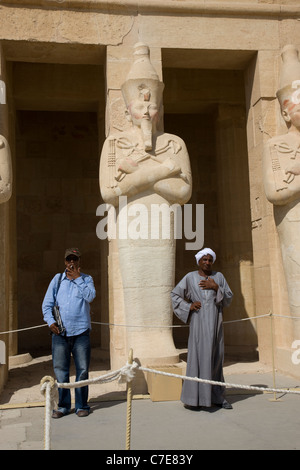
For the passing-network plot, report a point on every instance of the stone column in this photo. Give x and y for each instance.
(119, 61)
(150, 169)
(5, 194)
(117, 65)
(281, 170)
(259, 83)
(235, 252)
(263, 122)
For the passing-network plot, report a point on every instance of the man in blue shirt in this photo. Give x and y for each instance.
(75, 293)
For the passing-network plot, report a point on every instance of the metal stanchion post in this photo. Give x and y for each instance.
(129, 402)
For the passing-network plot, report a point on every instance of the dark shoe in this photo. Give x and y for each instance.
(57, 414)
(192, 408)
(82, 413)
(226, 405)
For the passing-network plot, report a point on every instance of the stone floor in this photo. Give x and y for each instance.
(257, 421)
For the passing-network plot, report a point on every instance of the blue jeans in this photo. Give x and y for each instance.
(62, 349)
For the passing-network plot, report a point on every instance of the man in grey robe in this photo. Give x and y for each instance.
(199, 298)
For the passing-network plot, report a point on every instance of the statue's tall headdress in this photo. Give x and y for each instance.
(142, 79)
(289, 83)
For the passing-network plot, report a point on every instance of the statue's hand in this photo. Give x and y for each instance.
(127, 165)
(171, 169)
(294, 168)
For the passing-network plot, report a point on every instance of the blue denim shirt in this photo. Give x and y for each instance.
(73, 299)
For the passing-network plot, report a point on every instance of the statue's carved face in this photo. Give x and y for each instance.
(295, 116)
(291, 113)
(144, 113)
(291, 106)
(143, 110)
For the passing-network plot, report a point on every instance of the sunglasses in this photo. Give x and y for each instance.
(71, 258)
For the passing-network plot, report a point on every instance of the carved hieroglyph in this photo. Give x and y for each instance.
(149, 167)
(5, 170)
(281, 171)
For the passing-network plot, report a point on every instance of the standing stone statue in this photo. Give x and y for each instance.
(150, 168)
(281, 172)
(5, 170)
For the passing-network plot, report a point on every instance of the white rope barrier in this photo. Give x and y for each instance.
(184, 326)
(124, 374)
(159, 326)
(222, 384)
(50, 390)
(22, 329)
(127, 373)
(138, 326)
(247, 318)
(49, 387)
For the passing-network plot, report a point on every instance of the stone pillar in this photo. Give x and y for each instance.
(117, 66)
(281, 170)
(5, 194)
(235, 251)
(141, 268)
(263, 122)
(259, 106)
(119, 61)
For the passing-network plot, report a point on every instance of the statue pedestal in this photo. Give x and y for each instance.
(160, 387)
(165, 388)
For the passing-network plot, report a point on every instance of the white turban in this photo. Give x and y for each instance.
(205, 251)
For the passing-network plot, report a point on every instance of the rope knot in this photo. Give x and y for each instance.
(45, 381)
(48, 384)
(127, 373)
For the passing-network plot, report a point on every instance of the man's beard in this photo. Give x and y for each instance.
(146, 126)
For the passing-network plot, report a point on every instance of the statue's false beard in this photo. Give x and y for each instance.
(146, 126)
